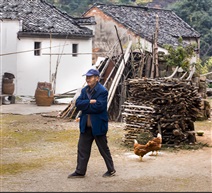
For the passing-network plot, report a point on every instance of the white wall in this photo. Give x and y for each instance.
(33, 69)
(146, 45)
(30, 69)
(8, 44)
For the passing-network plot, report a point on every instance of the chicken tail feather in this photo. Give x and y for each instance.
(135, 141)
(160, 137)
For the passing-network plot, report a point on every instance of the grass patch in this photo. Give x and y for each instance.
(30, 142)
(14, 138)
(18, 167)
(14, 168)
(18, 131)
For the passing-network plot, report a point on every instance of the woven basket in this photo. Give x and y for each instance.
(44, 97)
(44, 85)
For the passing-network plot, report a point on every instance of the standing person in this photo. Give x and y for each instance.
(93, 124)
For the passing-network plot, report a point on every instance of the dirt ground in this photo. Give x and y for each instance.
(39, 152)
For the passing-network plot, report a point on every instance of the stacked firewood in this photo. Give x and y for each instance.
(168, 106)
(137, 119)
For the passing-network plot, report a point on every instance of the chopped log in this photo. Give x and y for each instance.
(168, 106)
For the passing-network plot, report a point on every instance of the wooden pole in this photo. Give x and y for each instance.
(156, 49)
(118, 75)
(152, 73)
(122, 51)
(155, 68)
(50, 59)
(56, 69)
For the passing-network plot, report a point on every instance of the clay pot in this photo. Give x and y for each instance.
(8, 88)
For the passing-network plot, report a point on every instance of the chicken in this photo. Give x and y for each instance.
(152, 145)
(155, 144)
(140, 149)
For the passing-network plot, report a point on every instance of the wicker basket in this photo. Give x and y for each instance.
(44, 85)
(44, 96)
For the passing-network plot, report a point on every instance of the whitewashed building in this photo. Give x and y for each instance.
(37, 41)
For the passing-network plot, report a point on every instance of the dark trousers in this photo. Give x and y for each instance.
(84, 150)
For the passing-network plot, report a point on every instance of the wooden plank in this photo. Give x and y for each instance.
(118, 75)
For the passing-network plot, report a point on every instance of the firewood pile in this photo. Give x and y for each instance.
(168, 106)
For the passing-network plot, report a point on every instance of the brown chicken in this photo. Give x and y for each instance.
(155, 144)
(140, 149)
(152, 145)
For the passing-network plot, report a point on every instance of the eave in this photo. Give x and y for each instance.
(53, 35)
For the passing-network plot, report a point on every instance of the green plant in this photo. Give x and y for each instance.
(179, 56)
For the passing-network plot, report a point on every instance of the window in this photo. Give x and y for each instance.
(37, 48)
(74, 50)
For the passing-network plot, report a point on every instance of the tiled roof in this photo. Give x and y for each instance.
(85, 21)
(142, 21)
(40, 17)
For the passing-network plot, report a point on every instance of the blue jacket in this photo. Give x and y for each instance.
(98, 111)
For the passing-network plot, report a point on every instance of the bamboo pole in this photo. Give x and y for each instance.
(57, 65)
(118, 75)
(112, 52)
(206, 74)
(111, 72)
(172, 75)
(183, 75)
(193, 69)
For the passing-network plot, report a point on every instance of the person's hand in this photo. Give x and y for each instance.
(92, 101)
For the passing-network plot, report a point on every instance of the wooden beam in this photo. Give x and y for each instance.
(118, 75)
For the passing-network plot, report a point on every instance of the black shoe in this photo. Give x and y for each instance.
(109, 174)
(76, 175)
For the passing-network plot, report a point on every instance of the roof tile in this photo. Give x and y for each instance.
(142, 21)
(38, 16)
